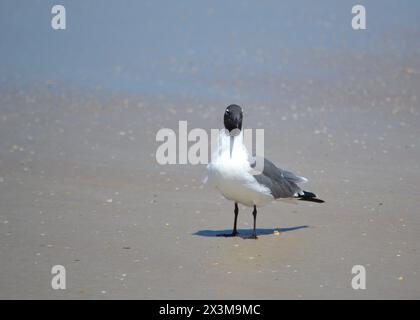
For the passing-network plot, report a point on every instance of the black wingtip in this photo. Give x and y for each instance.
(311, 200)
(309, 196)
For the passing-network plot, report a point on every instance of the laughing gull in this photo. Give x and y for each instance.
(233, 172)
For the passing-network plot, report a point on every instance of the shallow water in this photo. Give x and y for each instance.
(207, 50)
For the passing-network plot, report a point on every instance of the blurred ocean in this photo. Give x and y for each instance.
(196, 49)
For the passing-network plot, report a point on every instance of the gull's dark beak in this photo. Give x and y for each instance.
(236, 126)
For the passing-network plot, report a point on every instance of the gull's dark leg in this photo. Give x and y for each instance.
(236, 211)
(254, 233)
(234, 232)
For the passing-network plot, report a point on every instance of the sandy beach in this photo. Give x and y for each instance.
(80, 185)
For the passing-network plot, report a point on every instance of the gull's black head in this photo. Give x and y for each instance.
(233, 118)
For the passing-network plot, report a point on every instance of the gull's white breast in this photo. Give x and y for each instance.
(231, 173)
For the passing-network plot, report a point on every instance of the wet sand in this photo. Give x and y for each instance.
(80, 185)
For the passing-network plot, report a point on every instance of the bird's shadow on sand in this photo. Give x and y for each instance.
(245, 232)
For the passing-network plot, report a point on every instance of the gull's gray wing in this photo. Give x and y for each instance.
(282, 183)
